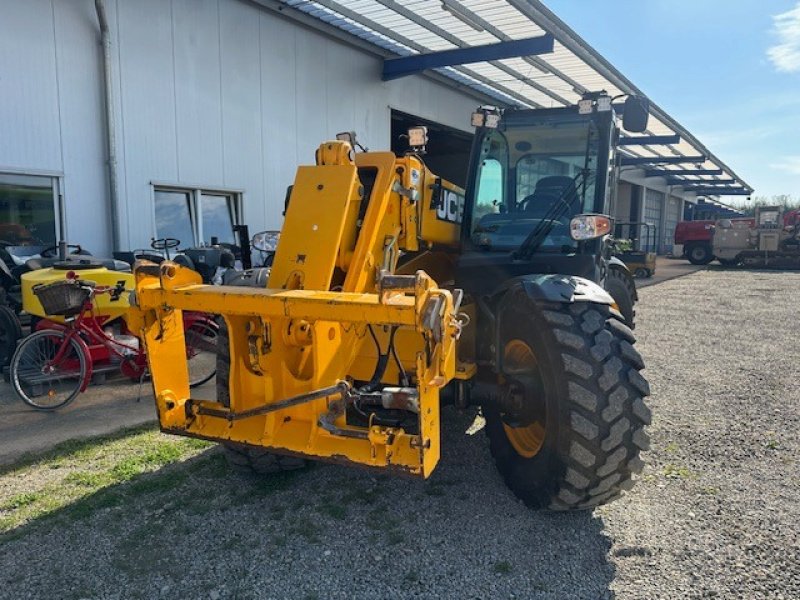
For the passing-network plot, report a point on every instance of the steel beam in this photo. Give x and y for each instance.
(628, 161)
(645, 140)
(702, 182)
(393, 68)
(459, 43)
(396, 38)
(668, 173)
(721, 191)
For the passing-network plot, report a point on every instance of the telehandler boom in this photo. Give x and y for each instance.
(393, 291)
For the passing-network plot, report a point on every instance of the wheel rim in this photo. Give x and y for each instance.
(527, 440)
(201, 352)
(698, 253)
(42, 383)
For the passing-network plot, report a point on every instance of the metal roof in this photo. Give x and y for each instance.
(398, 28)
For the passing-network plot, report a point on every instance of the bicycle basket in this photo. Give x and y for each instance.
(63, 298)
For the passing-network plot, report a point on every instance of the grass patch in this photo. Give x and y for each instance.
(502, 567)
(412, 577)
(435, 490)
(333, 510)
(80, 477)
(395, 536)
(306, 528)
(672, 471)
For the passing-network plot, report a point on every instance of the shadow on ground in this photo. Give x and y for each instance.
(195, 530)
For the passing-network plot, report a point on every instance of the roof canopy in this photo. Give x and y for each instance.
(518, 53)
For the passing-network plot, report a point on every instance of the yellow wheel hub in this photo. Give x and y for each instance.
(519, 359)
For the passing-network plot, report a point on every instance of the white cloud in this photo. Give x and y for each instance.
(790, 164)
(785, 55)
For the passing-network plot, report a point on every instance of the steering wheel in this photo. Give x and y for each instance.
(165, 243)
(50, 252)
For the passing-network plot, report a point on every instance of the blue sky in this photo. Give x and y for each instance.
(728, 70)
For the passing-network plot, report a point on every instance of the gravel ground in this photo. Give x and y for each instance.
(715, 513)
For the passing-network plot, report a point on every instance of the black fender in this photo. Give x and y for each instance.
(565, 289)
(558, 288)
(616, 263)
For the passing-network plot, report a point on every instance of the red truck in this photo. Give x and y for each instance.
(695, 237)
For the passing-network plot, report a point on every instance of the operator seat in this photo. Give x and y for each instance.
(546, 193)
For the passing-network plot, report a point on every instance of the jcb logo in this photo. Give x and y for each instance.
(451, 207)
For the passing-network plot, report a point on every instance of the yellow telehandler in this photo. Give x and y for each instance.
(392, 292)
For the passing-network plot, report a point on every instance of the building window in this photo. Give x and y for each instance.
(28, 210)
(195, 216)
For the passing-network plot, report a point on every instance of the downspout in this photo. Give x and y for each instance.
(111, 134)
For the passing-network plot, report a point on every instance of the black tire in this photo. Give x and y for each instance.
(28, 362)
(592, 407)
(10, 334)
(699, 254)
(623, 290)
(241, 458)
(201, 341)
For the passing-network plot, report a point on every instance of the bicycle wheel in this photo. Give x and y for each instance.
(38, 381)
(201, 351)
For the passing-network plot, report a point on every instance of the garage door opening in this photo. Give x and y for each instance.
(447, 151)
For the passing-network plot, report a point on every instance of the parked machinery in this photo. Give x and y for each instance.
(640, 255)
(771, 239)
(392, 291)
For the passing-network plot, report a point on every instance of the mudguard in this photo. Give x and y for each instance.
(559, 288)
(616, 263)
(566, 289)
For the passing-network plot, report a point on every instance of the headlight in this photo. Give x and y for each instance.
(266, 241)
(589, 227)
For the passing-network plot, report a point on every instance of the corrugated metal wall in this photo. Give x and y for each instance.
(671, 219)
(653, 214)
(213, 93)
(51, 105)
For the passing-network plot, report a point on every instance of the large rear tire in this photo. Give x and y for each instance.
(576, 442)
(201, 350)
(241, 458)
(699, 254)
(623, 290)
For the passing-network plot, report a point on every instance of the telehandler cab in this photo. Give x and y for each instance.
(393, 291)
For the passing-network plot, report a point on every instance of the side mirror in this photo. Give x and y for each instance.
(266, 241)
(635, 114)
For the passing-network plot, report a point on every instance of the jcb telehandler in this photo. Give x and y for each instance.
(393, 291)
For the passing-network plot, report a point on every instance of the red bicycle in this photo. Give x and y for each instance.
(54, 364)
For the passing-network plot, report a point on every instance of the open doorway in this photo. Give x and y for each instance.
(447, 151)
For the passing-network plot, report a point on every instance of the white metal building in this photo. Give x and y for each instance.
(215, 102)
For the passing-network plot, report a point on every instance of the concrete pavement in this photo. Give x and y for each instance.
(668, 268)
(101, 410)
